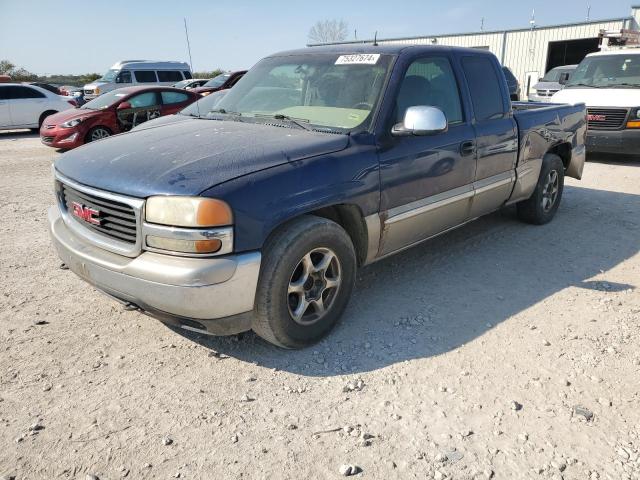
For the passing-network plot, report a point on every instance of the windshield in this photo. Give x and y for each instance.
(182, 83)
(554, 74)
(217, 81)
(110, 76)
(202, 107)
(607, 71)
(337, 92)
(104, 101)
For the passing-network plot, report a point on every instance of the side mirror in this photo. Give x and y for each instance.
(564, 78)
(421, 120)
(124, 106)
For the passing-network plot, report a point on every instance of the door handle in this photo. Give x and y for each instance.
(467, 147)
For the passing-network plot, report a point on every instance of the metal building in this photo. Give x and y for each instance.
(531, 52)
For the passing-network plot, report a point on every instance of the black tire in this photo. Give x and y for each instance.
(283, 263)
(543, 204)
(89, 137)
(42, 117)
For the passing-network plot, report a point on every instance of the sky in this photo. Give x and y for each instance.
(74, 37)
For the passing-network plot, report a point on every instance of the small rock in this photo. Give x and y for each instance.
(560, 465)
(438, 475)
(234, 439)
(36, 427)
(348, 470)
(523, 437)
(583, 412)
(466, 433)
(546, 343)
(167, 440)
(91, 476)
(515, 406)
(40, 322)
(292, 426)
(622, 453)
(218, 355)
(352, 386)
(246, 398)
(605, 401)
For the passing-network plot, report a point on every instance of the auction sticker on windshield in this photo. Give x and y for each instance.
(358, 59)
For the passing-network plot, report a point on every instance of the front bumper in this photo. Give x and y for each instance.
(58, 137)
(626, 142)
(212, 295)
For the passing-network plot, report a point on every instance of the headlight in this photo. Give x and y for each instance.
(71, 123)
(634, 118)
(188, 212)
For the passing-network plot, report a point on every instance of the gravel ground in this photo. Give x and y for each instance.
(501, 350)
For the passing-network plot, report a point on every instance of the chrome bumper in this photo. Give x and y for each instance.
(205, 290)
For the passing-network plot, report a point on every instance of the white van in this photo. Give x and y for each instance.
(608, 82)
(137, 72)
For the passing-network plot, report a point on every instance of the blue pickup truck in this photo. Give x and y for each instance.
(255, 214)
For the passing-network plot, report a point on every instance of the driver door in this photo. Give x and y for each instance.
(144, 106)
(427, 181)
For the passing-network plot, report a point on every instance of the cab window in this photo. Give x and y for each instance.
(430, 81)
(169, 76)
(169, 98)
(18, 93)
(484, 85)
(146, 76)
(144, 100)
(124, 77)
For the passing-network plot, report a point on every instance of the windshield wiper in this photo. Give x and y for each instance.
(624, 84)
(225, 112)
(582, 85)
(280, 116)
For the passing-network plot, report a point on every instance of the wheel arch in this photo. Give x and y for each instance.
(349, 216)
(44, 115)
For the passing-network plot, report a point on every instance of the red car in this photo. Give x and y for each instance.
(114, 112)
(221, 82)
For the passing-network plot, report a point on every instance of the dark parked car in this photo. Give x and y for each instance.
(48, 87)
(221, 82)
(257, 214)
(512, 84)
(114, 112)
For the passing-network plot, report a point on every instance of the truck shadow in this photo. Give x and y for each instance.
(447, 292)
(17, 134)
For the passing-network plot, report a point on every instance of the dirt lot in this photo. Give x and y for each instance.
(500, 350)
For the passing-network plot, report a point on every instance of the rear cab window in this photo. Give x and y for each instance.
(487, 97)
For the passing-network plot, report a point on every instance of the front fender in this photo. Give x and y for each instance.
(263, 200)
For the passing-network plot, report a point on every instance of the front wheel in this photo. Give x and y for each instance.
(543, 204)
(97, 133)
(306, 279)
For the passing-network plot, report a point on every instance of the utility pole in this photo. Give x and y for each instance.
(482, 24)
(588, 12)
(186, 32)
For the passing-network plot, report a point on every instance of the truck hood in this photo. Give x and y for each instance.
(188, 157)
(547, 86)
(95, 84)
(599, 97)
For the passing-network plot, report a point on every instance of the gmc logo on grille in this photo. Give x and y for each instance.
(596, 118)
(89, 215)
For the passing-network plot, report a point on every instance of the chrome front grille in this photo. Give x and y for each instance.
(606, 118)
(115, 219)
(108, 220)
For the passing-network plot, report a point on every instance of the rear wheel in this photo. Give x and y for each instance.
(543, 204)
(97, 133)
(306, 279)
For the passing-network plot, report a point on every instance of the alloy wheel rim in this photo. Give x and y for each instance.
(99, 133)
(550, 190)
(313, 286)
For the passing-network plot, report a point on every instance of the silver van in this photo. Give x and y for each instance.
(137, 72)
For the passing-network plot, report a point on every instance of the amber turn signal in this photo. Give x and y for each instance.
(633, 124)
